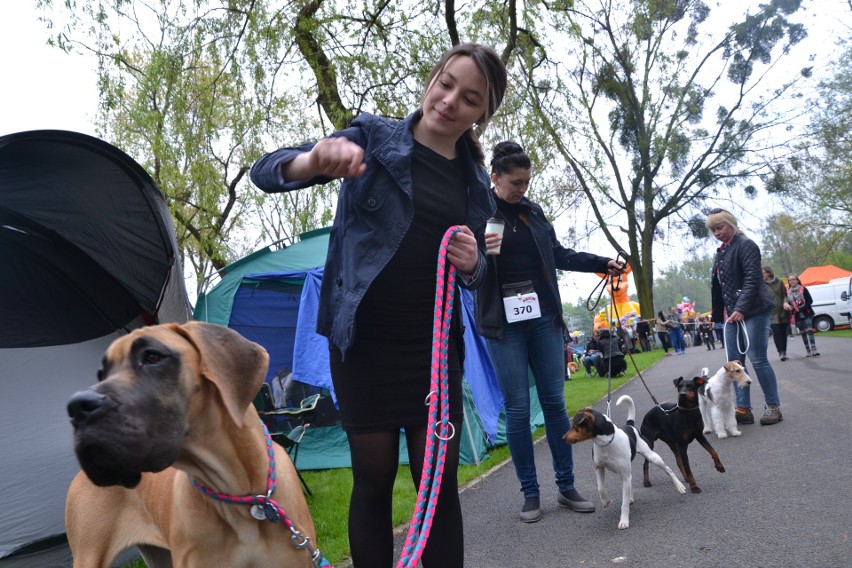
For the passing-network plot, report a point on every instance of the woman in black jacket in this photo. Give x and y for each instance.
(742, 300)
(519, 311)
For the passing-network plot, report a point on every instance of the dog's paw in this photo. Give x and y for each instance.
(736, 433)
(721, 435)
(707, 430)
(605, 500)
(647, 483)
(681, 488)
(695, 489)
(623, 524)
(720, 468)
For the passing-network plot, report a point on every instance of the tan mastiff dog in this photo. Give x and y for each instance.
(174, 400)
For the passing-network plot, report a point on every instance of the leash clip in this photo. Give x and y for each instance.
(300, 541)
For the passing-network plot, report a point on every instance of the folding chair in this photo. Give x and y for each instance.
(287, 426)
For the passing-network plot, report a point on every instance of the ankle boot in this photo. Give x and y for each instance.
(771, 415)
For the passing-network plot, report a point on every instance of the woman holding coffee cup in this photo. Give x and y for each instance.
(519, 312)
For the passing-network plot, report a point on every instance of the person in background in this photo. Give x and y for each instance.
(592, 354)
(694, 322)
(643, 331)
(661, 326)
(800, 301)
(719, 328)
(743, 301)
(705, 329)
(405, 184)
(675, 325)
(627, 334)
(612, 360)
(519, 312)
(781, 314)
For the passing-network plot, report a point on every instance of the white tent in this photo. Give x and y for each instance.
(87, 253)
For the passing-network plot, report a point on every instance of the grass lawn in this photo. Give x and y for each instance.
(331, 488)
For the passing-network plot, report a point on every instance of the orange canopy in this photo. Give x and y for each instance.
(822, 274)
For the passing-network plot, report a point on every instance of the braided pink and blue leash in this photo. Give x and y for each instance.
(264, 507)
(439, 429)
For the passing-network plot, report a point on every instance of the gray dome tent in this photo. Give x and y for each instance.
(88, 253)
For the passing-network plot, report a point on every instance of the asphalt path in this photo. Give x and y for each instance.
(784, 499)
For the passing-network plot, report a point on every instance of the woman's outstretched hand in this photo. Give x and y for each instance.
(336, 158)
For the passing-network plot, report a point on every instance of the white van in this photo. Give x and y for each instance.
(832, 303)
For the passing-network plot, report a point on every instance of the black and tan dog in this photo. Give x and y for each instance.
(171, 398)
(678, 425)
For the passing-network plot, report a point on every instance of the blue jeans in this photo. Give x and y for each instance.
(677, 340)
(589, 362)
(757, 327)
(537, 345)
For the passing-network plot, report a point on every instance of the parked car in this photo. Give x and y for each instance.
(832, 303)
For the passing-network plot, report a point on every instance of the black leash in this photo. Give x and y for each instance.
(615, 283)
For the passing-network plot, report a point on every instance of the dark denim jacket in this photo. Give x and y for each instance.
(374, 212)
(490, 318)
(737, 281)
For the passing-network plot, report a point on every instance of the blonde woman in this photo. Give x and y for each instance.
(742, 300)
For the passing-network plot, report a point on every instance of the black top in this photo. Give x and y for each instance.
(519, 260)
(385, 377)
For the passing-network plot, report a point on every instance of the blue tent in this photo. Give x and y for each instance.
(271, 297)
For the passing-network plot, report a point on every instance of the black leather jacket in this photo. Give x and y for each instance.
(490, 317)
(737, 281)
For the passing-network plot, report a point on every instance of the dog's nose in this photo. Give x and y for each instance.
(83, 404)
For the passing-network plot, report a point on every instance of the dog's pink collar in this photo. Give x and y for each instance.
(264, 507)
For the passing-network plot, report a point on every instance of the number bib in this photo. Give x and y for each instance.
(521, 307)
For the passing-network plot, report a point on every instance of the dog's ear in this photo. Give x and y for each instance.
(234, 364)
(700, 381)
(578, 418)
(677, 381)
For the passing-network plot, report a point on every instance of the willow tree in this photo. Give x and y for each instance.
(654, 114)
(818, 179)
(185, 88)
(608, 100)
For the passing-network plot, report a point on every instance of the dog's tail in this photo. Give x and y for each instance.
(705, 372)
(631, 408)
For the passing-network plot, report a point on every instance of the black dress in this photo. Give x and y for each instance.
(385, 377)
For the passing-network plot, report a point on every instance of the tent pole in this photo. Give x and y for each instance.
(470, 436)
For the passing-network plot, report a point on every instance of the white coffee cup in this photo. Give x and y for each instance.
(495, 226)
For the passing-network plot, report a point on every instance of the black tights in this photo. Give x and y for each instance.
(375, 460)
(779, 336)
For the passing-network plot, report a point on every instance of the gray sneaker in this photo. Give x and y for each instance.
(531, 512)
(574, 501)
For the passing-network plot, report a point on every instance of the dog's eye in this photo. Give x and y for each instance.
(152, 358)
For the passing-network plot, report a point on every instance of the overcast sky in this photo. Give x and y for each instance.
(44, 88)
